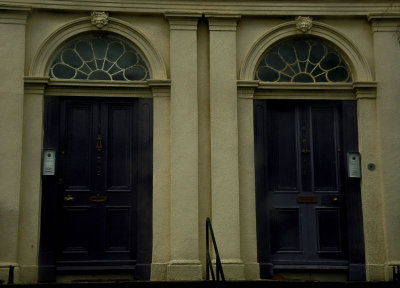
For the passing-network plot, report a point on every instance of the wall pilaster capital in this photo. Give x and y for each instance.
(35, 85)
(222, 22)
(14, 14)
(385, 22)
(160, 88)
(365, 90)
(186, 20)
(246, 88)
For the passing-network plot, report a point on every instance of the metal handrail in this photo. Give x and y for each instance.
(219, 270)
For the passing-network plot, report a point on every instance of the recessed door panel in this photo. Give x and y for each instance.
(76, 235)
(78, 137)
(119, 136)
(286, 230)
(325, 148)
(282, 152)
(329, 232)
(118, 229)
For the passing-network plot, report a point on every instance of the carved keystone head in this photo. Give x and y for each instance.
(304, 24)
(99, 19)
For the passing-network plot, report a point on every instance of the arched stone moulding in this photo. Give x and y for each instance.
(50, 46)
(358, 64)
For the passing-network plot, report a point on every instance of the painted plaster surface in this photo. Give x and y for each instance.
(12, 49)
(203, 125)
(224, 143)
(387, 48)
(184, 150)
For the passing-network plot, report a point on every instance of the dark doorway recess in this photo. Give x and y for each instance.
(308, 211)
(97, 208)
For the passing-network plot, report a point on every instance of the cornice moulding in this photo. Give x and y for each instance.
(36, 80)
(15, 8)
(222, 22)
(14, 14)
(384, 16)
(182, 14)
(186, 20)
(248, 8)
(385, 22)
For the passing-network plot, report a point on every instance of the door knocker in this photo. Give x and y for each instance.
(305, 149)
(99, 143)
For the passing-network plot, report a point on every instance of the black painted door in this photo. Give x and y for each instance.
(301, 175)
(98, 163)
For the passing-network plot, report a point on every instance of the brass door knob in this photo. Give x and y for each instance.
(69, 198)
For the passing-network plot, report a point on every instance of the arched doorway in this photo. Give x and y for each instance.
(98, 121)
(305, 126)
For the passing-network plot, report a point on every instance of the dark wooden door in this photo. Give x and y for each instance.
(302, 173)
(98, 163)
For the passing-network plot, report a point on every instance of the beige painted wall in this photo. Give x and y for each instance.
(387, 49)
(21, 128)
(12, 49)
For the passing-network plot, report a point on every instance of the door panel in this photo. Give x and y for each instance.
(118, 223)
(282, 150)
(324, 147)
(76, 233)
(98, 192)
(329, 231)
(303, 201)
(78, 137)
(286, 232)
(119, 150)
(91, 219)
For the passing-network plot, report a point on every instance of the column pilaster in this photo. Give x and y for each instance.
(386, 48)
(224, 142)
(30, 196)
(12, 50)
(161, 90)
(184, 232)
(247, 195)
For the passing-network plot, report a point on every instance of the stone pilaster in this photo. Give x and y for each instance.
(161, 90)
(185, 263)
(12, 51)
(386, 47)
(224, 142)
(30, 196)
(248, 229)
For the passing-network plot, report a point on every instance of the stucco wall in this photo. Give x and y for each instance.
(204, 117)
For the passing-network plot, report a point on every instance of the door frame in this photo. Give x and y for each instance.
(47, 248)
(346, 93)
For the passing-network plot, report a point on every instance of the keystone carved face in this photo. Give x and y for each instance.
(99, 19)
(304, 24)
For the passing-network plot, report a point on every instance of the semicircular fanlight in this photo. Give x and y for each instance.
(99, 57)
(302, 60)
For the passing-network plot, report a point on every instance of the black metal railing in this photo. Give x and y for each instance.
(219, 270)
(396, 273)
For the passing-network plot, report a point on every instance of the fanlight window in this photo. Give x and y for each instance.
(302, 60)
(99, 57)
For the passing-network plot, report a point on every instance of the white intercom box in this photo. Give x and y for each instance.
(353, 165)
(49, 162)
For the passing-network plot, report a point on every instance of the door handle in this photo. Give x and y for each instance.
(69, 198)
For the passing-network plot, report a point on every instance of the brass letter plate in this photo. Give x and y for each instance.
(307, 199)
(98, 198)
